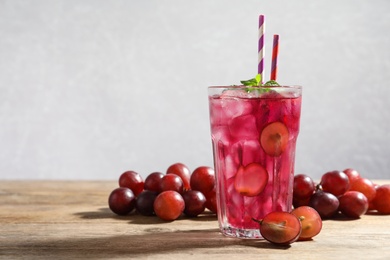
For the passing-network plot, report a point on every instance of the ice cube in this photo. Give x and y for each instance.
(234, 92)
(221, 134)
(251, 151)
(217, 114)
(235, 152)
(236, 198)
(252, 206)
(235, 107)
(245, 152)
(244, 127)
(230, 166)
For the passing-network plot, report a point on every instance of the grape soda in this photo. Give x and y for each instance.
(254, 133)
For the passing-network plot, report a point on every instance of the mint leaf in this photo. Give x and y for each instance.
(258, 79)
(249, 82)
(271, 83)
(254, 85)
(252, 82)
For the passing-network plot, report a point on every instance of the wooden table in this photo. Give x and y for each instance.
(71, 219)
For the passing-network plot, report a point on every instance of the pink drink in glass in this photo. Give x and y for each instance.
(254, 133)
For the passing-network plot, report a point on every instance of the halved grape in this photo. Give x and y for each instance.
(280, 228)
(251, 180)
(311, 222)
(274, 138)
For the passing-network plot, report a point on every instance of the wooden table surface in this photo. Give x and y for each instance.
(71, 219)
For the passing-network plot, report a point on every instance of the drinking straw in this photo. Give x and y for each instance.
(260, 67)
(275, 51)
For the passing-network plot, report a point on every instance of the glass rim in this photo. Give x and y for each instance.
(244, 87)
(237, 91)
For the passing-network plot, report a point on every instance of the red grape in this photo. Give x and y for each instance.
(352, 174)
(144, 202)
(335, 182)
(202, 179)
(381, 201)
(211, 201)
(183, 172)
(297, 202)
(169, 205)
(274, 138)
(325, 203)
(370, 203)
(364, 186)
(371, 206)
(281, 228)
(133, 181)
(311, 222)
(303, 187)
(353, 204)
(251, 179)
(172, 181)
(121, 201)
(153, 181)
(194, 203)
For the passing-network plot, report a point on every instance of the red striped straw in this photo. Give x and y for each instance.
(260, 66)
(275, 51)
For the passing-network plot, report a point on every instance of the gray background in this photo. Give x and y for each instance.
(89, 89)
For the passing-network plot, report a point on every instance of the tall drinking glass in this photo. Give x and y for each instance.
(254, 132)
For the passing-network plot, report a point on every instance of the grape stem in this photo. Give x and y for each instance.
(257, 220)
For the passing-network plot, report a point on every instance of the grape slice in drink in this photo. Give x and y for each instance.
(251, 179)
(274, 138)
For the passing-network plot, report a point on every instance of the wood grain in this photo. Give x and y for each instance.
(71, 220)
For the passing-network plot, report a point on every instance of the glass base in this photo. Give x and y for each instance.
(241, 233)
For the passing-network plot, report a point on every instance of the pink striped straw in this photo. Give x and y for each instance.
(275, 52)
(260, 67)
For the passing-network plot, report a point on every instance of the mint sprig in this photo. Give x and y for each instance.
(255, 84)
(256, 81)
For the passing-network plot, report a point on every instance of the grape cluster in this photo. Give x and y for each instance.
(345, 192)
(178, 191)
(167, 195)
